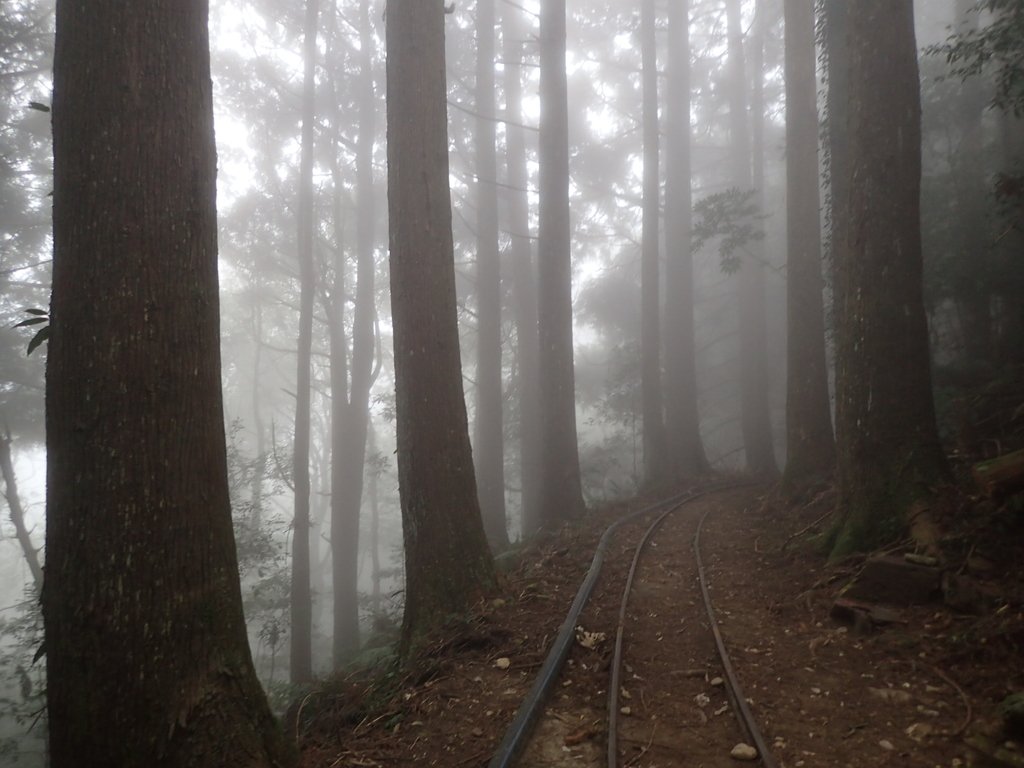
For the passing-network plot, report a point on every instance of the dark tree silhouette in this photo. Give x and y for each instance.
(446, 556)
(147, 656)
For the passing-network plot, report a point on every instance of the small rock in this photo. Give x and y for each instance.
(503, 663)
(886, 745)
(743, 752)
(702, 700)
(919, 731)
(478, 732)
(890, 694)
(717, 682)
(626, 710)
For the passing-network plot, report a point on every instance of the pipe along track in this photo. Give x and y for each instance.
(518, 733)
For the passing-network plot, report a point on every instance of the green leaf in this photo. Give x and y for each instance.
(39, 338)
(38, 107)
(36, 311)
(31, 321)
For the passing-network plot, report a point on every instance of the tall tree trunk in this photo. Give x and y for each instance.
(488, 448)
(260, 469)
(350, 457)
(147, 657)
(447, 560)
(755, 419)
(973, 288)
(524, 275)
(837, 63)
(888, 446)
(684, 442)
(28, 549)
(810, 450)
(301, 596)
(654, 438)
(372, 497)
(560, 461)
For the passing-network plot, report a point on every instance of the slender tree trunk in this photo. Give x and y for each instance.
(447, 560)
(755, 418)
(488, 448)
(560, 462)
(810, 450)
(28, 549)
(301, 596)
(685, 446)
(260, 470)
(837, 62)
(888, 446)
(372, 496)
(350, 457)
(654, 438)
(148, 663)
(974, 293)
(524, 276)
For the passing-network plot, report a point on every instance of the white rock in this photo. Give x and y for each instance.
(886, 745)
(503, 663)
(743, 752)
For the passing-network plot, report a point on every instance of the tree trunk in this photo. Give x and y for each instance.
(488, 448)
(755, 419)
(348, 467)
(686, 449)
(524, 276)
(888, 446)
(148, 662)
(810, 450)
(447, 560)
(301, 596)
(654, 439)
(28, 549)
(560, 462)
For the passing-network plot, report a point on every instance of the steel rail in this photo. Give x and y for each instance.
(746, 717)
(532, 706)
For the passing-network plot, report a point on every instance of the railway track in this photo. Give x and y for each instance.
(640, 660)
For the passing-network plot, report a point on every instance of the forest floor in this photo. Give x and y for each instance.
(922, 689)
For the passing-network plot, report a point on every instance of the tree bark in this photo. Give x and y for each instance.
(488, 448)
(524, 276)
(447, 560)
(148, 662)
(810, 450)
(686, 449)
(654, 438)
(301, 599)
(889, 455)
(560, 462)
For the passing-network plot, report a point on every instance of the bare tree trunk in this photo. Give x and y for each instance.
(810, 450)
(488, 448)
(560, 462)
(148, 661)
(301, 658)
(654, 438)
(28, 549)
(447, 561)
(684, 441)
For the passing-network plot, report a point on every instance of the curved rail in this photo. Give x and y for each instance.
(746, 717)
(526, 717)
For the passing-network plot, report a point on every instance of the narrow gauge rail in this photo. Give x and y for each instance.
(518, 733)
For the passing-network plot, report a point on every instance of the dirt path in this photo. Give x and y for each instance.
(823, 694)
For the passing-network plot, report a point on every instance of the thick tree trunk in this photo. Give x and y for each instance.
(488, 448)
(888, 447)
(654, 439)
(560, 462)
(148, 662)
(447, 560)
(810, 450)
(524, 276)
(301, 601)
(349, 462)
(686, 450)
(755, 419)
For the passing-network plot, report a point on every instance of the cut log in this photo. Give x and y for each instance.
(1002, 476)
(892, 580)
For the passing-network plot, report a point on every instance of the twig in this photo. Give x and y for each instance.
(643, 751)
(963, 696)
(805, 529)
